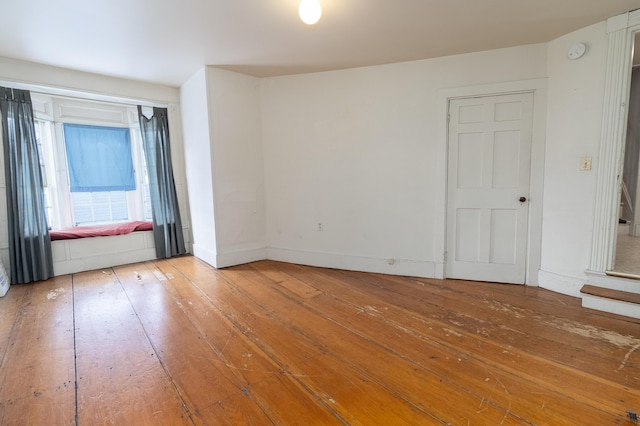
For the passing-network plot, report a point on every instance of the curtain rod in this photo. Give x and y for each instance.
(80, 94)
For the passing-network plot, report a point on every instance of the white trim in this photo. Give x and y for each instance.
(618, 307)
(79, 95)
(570, 286)
(225, 260)
(620, 32)
(203, 253)
(600, 279)
(612, 138)
(413, 268)
(78, 84)
(617, 23)
(238, 258)
(539, 88)
(86, 254)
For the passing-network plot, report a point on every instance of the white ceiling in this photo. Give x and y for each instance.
(166, 41)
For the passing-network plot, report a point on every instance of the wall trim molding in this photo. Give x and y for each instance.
(203, 253)
(79, 84)
(225, 260)
(560, 283)
(413, 268)
(620, 33)
(614, 283)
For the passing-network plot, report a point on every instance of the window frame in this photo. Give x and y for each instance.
(57, 111)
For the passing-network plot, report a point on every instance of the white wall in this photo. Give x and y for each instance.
(236, 134)
(574, 119)
(82, 84)
(198, 160)
(223, 149)
(357, 150)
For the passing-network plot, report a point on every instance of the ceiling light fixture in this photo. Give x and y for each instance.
(310, 11)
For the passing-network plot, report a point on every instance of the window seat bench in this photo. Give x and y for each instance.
(100, 230)
(75, 249)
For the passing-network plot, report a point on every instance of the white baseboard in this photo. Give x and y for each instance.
(609, 305)
(561, 284)
(238, 258)
(224, 260)
(412, 268)
(205, 254)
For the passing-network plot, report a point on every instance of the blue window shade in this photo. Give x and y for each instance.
(99, 158)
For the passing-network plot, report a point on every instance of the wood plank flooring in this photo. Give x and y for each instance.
(177, 342)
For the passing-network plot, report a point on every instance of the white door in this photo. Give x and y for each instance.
(488, 187)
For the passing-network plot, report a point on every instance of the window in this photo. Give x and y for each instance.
(99, 207)
(98, 158)
(43, 133)
(92, 162)
(100, 168)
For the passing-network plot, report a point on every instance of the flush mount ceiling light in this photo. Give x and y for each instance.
(310, 11)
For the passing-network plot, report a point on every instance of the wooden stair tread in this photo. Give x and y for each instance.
(607, 293)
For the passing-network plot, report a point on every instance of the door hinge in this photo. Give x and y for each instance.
(445, 256)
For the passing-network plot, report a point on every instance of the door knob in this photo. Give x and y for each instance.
(523, 199)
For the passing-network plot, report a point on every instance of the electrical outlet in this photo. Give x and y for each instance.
(585, 163)
(319, 227)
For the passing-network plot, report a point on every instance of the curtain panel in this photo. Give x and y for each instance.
(167, 226)
(29, 240)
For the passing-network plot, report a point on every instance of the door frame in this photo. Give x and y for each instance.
(620, 32)
(534, 238)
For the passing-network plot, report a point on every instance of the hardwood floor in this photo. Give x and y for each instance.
(175, 342)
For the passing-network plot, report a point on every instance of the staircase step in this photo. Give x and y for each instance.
(613, 301)
(607, 293)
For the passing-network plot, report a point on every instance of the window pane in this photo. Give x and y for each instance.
(119, 209)
(43, 139)
(82, 210)
(146, 196)
(147, 202)
(99, 207)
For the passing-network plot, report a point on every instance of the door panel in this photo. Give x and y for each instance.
(468, 222)
(489, 166)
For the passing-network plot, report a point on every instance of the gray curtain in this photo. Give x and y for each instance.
(167, 227)
(29, 241)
